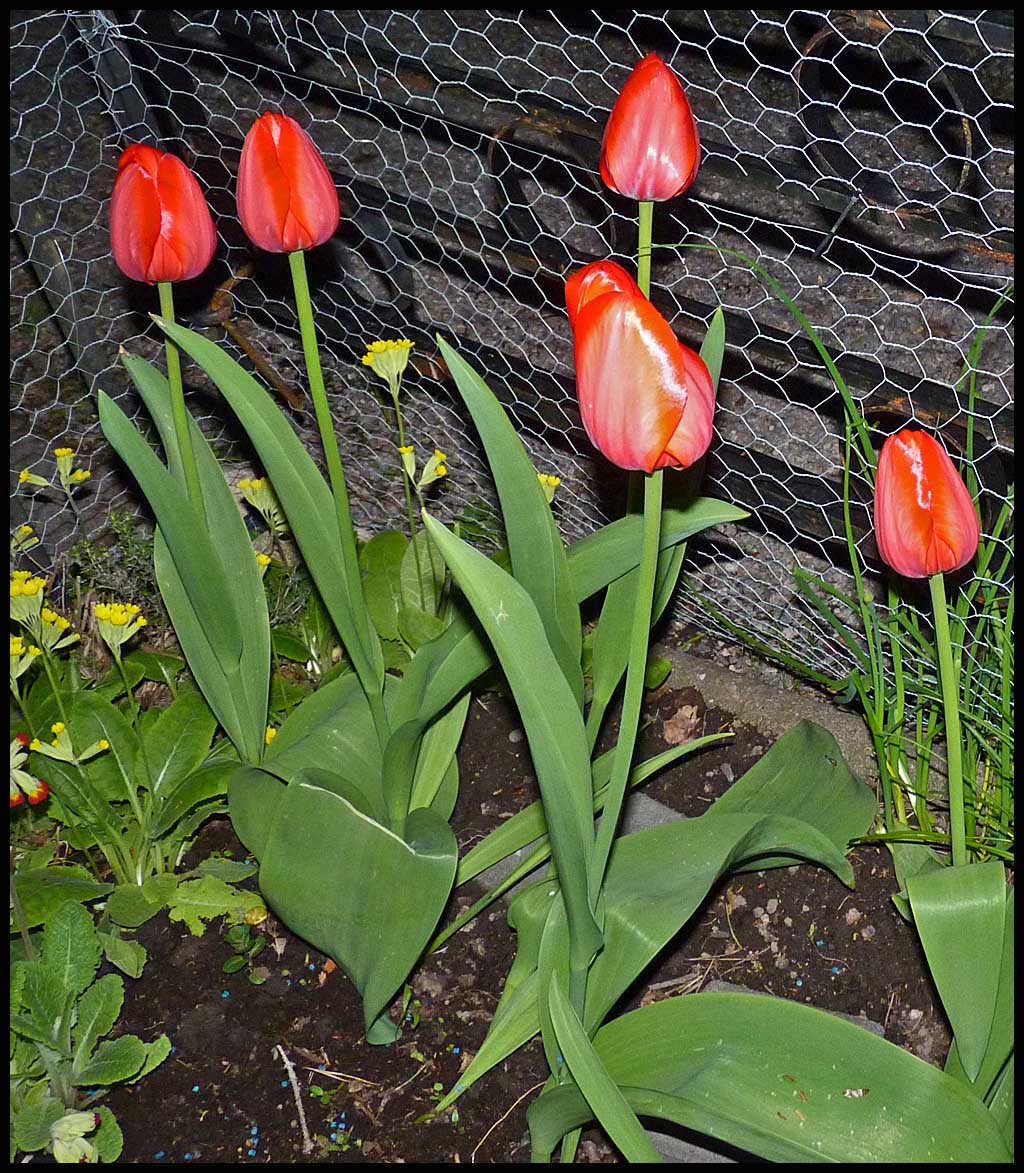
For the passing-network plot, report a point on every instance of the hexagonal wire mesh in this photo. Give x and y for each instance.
(864, 158)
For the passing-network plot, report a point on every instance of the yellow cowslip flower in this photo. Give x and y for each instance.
(26, 598)
(388, 358)
(261, 496)
(22, 540)
(117, 623)
(23, 476)
(548, 483)
(24, 530)
(79, 475)
(57, 728)
(408, 455)
(52, 630)
(434, 469)
(61, 452)
(103, 744)
(264, 560)
(17, 645)
(269, 736)
(34, 744)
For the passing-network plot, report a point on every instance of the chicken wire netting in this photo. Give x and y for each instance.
(863, 157)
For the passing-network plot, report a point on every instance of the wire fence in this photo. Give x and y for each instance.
(864, 158)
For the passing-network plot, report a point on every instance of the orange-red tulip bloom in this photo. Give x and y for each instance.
(160, 226)
(646, 400)
(651, 150)
(286, 196)
(925, 522)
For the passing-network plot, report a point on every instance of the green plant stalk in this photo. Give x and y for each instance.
(635, 671)
(951, 707)
(407, 485)
(53, 686)
(643, 252)
(178, 413)
(297, 263)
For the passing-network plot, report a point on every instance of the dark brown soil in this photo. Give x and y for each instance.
(224, 1093)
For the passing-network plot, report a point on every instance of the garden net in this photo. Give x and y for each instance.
(863, 158)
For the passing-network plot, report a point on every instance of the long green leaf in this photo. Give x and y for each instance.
(195, 558)
(534, 544)
(304, 496)
(595, 1085)
(551, 717)
(782, 1080)
(960, 914)
(249, 689)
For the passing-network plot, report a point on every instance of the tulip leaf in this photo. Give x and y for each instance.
(550, 715)
(781, 1080)
(534, 544)
(195, 558)
(594, 1084)
(304, 496)
(999, 1047)
(657, 878)
(352, 888)
(248, 690)
(952, 907)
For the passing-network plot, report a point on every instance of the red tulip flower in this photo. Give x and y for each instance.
(925, 522)
(160, 226)
(286, 196)
(650, 150)
(647, 401)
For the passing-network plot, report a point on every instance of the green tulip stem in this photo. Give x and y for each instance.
(408, 486)
(635, 672)
(643, 247)
(951, 707)
(178, 412)
(346, 532)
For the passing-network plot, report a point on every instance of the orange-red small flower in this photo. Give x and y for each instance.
(646, 400)
(160, 226)
(651, 150)
(925, 521)
(286, 196)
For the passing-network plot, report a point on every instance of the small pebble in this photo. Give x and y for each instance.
(772, 905)
(515, 736)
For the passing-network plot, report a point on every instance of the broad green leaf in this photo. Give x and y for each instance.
(954, 907)
(71, 949)
(355, 890)
(112, 685)
(156, 1052)
(1002, 1103)
(197, 901)
(1000, 1040)
(97, 1009)
(112, 774)
(128, 956)
(595, 1085)
(158, 666)
(129, 907)
(178, 742)
(418, 627)
(383, 553)
(231, 871)
(195, 558)
(305, 498)
(177, 800)
(31, 1126)
(550, 715)
(42, 891)
(115, 1061)
(287, 644)
(657, 878)
(534, 544)
(383, 600)
(781, 1080)
(430, 565)
(107, 1140)
(804, 775)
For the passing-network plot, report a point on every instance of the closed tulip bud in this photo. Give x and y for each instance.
(160, 226)
(650, 149)
(925, 521)
(646, 400)
(286, 196)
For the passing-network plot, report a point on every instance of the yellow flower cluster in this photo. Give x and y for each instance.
(119, 614)
(54, 620)
(389, 358)
(270, 735)
(548, 483)
(383, 346)
(24, 584)
(58, 452)
(253, 484)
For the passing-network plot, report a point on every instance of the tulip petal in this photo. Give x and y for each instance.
(592, 281)
(631, 379)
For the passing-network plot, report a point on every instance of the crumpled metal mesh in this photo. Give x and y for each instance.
(865, 159)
